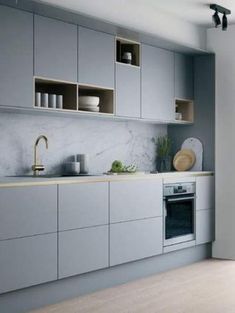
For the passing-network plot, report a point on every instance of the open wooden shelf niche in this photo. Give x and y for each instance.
(186, 109)
(126, 45)
(66, 89)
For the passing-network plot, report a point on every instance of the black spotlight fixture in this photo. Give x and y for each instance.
(215, 17)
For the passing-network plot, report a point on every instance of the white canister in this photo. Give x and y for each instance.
(72, 168)
(44, 100)
(37, 99)
(52, 101)
(83, 159)
(59, 101)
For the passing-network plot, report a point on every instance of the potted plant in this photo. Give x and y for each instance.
(163, 154)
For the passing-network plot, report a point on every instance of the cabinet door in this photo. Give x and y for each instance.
(184, 82)
(157, 84)
(83, 250)
(127, 90)
(83, 205)
(55, 49)
(27, 261)
(27, 211)
(131, 200)
(205, 193)
(205, 226)
(95, 58)
(135, 240)
(16, 58)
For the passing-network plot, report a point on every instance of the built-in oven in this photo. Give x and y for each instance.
(179, 213)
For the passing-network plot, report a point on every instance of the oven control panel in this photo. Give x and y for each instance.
(178, 189)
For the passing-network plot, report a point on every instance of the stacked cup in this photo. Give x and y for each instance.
(45, 100)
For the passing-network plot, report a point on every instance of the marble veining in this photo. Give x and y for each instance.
(103, 140)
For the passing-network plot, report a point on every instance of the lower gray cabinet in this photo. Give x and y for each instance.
(135, 240)
(83, 250)
(27, 261)
(205, 226)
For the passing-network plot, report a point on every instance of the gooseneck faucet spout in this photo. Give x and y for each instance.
(38, 167)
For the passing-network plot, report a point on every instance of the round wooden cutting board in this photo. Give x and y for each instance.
(184, 160)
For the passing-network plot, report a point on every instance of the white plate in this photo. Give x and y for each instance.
(89, 100)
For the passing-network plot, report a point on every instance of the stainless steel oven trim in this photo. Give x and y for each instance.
(179, 239)
(171, 199)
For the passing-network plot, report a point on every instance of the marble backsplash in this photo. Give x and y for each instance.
(103, 140)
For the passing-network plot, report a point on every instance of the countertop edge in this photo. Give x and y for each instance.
(27, 182)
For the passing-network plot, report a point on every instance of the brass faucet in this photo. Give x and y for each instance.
(38, 167)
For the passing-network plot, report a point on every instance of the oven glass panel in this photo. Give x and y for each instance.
(179, 218)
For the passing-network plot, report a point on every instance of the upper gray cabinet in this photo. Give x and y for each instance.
(16, 58)
(127, 90)
(55, 49)
(157, 84)
(95, 58)
(184, 77)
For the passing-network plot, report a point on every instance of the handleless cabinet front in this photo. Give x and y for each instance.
(157, 84)
(127, 90)
(27, 211)
(83, 250)
(205, 192)
(55, 49)
(16, 58)
(130, 241)
(205, 226)
(95, 58)
(132, 200)
(27, 261)
(83, 205)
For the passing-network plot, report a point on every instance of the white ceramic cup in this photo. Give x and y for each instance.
(44, 100)
(83, 159)
(37, 99)
(59, 101)
(72, 168)
(52, 101)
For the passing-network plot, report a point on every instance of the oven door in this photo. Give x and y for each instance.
(179, 219)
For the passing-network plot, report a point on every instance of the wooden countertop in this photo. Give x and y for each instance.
(40, 181)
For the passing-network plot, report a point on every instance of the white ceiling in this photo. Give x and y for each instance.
(194, 11)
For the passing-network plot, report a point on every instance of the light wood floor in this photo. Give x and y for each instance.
(204, 287)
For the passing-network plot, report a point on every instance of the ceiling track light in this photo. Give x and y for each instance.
(216, 18)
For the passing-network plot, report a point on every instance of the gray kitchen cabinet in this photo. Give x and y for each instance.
(127, 90)
(83, 205)
(83, 250)
(55, 49)
(27, 261)
(135, 240)
(205, 193)
(95, 58)
(205, 226)
(131, 200)
(27, 211)
(184, 82)
(157, 84)
(16, 58)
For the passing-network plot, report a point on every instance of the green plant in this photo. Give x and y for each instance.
(163, 146)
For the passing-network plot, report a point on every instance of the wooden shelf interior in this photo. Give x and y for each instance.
(69, 91)
(186, 108)
(106, 97)
(125, 45)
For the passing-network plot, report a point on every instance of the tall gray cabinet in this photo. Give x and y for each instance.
(157, 83)
(16, 58)
(95, 58)
(55, 49)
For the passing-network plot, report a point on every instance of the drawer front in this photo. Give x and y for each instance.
(133, 200)
(27, 261)
(135, 240)
(83, 205)
(205, 226)
(205, 192)
(83, 250)
(27, 211)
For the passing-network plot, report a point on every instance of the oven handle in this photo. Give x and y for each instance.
(179, 199)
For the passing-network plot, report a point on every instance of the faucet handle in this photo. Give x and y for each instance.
(37, 168)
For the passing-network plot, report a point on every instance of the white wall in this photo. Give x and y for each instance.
(223, 44)
(103, 140)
